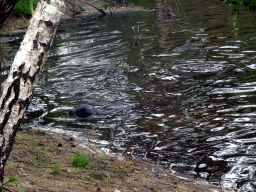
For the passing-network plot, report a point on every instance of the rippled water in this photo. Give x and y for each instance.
(187, 88)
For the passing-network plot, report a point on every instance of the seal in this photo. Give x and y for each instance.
(84, 111)
(87, 111)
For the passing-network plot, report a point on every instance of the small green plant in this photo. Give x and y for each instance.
(126, 167)
(42, 149)
(34, 143)
(102, 159)
(113, 169)
(81, 161)
(155, 186)
(42, 181)
(56, 169)
(39, 168)
(19, 160)
(24, 7)
(110, 180)
(34, 161)
(75, 171)
(9, 165)
(69, 183)
(88, 186)
(248, 5)
(13, 178)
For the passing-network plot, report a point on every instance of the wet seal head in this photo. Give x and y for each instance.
(84, 111)
(87, 111)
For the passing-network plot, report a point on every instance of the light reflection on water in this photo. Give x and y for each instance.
(188, 96)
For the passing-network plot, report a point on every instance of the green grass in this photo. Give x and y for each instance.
(102, 159)
(56, 169)
(24, 7)
(10, 164)
(42, 149)
(13, 178)
(81, 161)
(42, 181)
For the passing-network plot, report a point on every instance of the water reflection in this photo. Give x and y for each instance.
(190, 92)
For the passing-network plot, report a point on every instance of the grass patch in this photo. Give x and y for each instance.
(42, 181)
(42, 149)
(9, 164)
(102, 159)
(24, 137)
(56, 169)
(155, 188)
(81, 161)
(24, 8)
(39, 168)
(13, 178)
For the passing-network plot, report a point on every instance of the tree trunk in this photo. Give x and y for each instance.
(24, 73)
(6, 7)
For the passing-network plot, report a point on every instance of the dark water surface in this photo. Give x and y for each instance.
(186, 89)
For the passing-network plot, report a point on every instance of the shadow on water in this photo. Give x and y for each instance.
(187, 88)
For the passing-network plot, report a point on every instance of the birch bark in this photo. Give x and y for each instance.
(24, 73)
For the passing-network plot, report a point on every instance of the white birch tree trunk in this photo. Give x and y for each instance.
(24, 73)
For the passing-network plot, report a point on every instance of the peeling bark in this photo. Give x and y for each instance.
(24, 73)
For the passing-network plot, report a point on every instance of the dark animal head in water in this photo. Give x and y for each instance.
(84, 111)
(87, 111)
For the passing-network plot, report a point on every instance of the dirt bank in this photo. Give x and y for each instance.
(36, 153)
